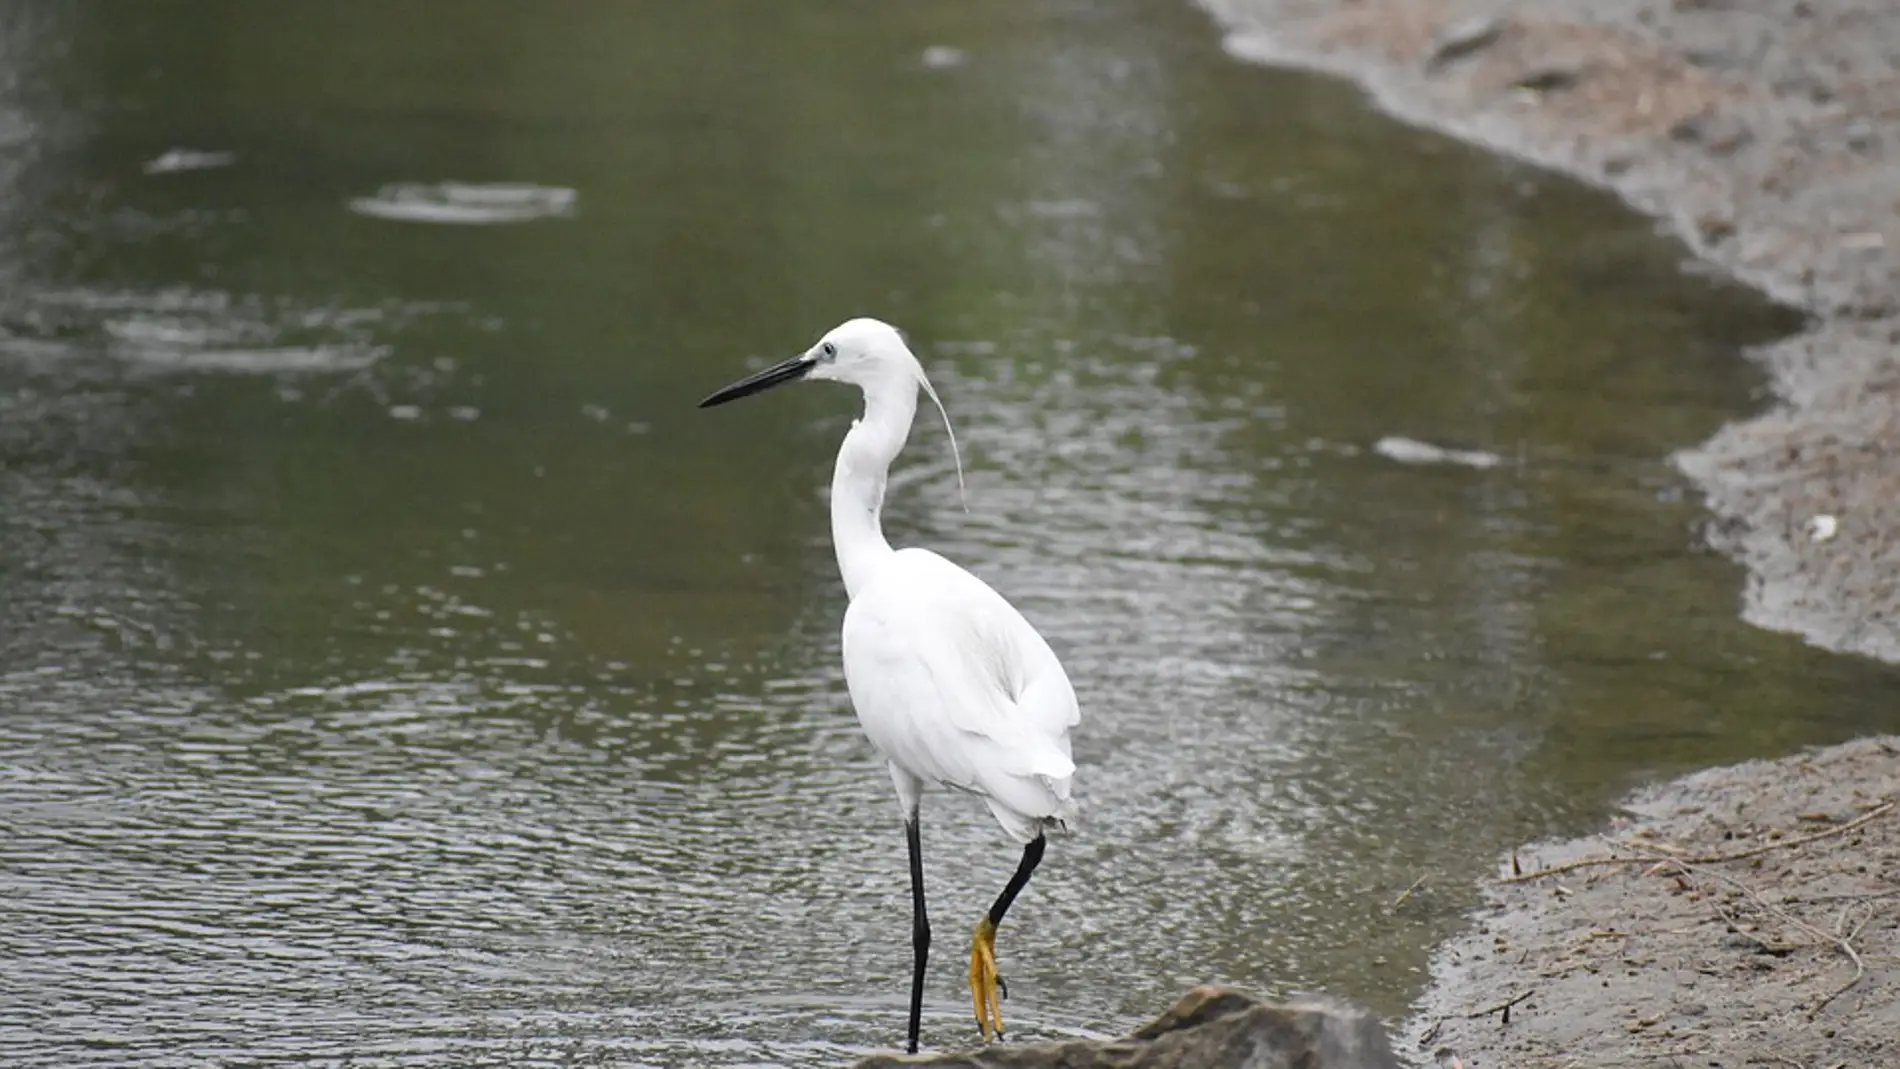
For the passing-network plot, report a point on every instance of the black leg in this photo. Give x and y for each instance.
(1032, 856)
(919, 928)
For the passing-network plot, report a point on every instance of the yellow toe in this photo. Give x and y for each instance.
(983, 982)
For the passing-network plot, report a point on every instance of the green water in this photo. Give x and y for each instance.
(397, 669)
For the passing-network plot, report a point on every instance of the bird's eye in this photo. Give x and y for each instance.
(831, 351)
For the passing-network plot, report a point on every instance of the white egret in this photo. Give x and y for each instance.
(950, 683)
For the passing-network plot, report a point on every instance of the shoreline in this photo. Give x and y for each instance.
(1777, 163)
(1757, 920)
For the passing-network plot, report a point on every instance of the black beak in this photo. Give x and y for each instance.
(787, 371)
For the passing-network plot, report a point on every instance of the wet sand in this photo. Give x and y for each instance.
(1766, 133)
(1757, 918)
(1751, 916)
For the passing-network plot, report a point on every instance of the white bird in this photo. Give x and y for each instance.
(950, 683)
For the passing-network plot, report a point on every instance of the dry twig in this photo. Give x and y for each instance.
(1705, 859)
(1845, 943)
(1505, 1005)
(1407, 893)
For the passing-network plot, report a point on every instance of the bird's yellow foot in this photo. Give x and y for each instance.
(985, 985)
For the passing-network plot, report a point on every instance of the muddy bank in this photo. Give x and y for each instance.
(1751, 916)
(1766, 133)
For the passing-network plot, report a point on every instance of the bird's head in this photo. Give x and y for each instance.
(867, 353)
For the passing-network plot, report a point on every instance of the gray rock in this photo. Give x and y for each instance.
(1210, 1028)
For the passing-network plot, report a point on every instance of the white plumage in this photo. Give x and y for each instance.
(955, 688)
(950, 683)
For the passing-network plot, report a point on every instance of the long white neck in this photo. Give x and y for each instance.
(857, 483)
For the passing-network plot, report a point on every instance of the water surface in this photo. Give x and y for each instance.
(399, 670)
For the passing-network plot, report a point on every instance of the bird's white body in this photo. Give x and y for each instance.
(951, 684)
(955, 688)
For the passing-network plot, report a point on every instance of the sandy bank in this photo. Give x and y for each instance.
(1766, 133)
(1752, 918)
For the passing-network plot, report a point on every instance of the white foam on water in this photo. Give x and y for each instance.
(466, 203)
(943, 57)
(162, 342)
(1413, 451)
(185, 159)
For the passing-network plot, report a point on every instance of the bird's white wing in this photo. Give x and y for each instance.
(955, 687)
